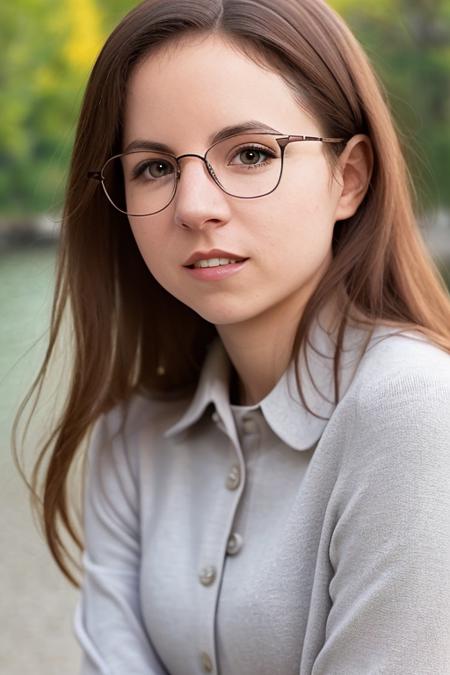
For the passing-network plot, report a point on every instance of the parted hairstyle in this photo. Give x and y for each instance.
(124, 324)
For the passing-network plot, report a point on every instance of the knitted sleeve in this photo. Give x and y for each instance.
(390, 548)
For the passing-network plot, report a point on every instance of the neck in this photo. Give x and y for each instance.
(260, 350)
(234, 388)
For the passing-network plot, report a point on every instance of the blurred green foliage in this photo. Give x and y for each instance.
(50, 47)
(408, 42)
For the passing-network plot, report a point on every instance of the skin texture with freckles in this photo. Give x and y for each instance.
(180, 97)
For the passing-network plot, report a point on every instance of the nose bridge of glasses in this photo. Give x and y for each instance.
(208, 166)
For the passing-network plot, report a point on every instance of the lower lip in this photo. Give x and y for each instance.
(215, 273)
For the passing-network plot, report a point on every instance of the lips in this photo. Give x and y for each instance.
(215, 274)
(236, 260)
(213, 253)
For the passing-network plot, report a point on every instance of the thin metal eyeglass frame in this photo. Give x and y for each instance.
(282, 141)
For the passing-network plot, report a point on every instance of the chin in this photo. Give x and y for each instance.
(221, 317)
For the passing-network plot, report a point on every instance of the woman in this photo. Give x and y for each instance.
(261, 354)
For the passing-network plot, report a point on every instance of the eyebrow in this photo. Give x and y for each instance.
(222, 134)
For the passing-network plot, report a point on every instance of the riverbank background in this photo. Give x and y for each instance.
(50, 47)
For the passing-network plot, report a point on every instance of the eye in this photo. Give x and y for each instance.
(251, 152)
(151, 170)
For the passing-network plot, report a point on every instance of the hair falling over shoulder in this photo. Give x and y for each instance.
(124, 326)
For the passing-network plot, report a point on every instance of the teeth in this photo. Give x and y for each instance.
(214, 262)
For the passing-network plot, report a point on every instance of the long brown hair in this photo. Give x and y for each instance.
(124, 324)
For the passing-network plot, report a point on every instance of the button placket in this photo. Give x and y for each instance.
(209, 574)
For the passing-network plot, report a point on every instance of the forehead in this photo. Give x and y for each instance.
(202, 84)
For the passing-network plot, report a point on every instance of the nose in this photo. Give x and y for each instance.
(198, 199)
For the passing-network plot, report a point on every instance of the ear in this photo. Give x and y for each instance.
(355, 170)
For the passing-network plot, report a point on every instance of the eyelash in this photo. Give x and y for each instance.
(261, 148)
(139, 170)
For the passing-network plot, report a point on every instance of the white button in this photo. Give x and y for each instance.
(234, 544)
(207, 575)
(206, 662)
(234, 477)
(215, 416)
(248, 425)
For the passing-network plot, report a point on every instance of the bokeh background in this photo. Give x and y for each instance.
(48, 48)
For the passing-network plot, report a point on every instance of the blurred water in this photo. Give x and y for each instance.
(37, 603)
(26, 283)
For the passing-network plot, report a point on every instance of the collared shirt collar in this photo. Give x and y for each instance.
(282, 406)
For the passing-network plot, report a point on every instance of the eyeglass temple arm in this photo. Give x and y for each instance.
(317, 138)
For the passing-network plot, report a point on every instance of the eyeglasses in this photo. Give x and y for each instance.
(245, 165)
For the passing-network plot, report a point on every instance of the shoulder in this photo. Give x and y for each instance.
(400, 374)
(404, 366)
(400, 405)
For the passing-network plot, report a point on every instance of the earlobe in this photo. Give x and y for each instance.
(356, 165)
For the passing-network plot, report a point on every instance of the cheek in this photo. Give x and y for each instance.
(155, 244)
(308, 194)
(301, 225)
(151, 244)
(148, 239)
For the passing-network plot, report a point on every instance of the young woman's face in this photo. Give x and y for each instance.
(181, 98)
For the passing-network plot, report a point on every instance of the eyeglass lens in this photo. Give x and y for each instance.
(143, 182)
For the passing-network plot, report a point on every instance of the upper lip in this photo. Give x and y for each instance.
(213, 253)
